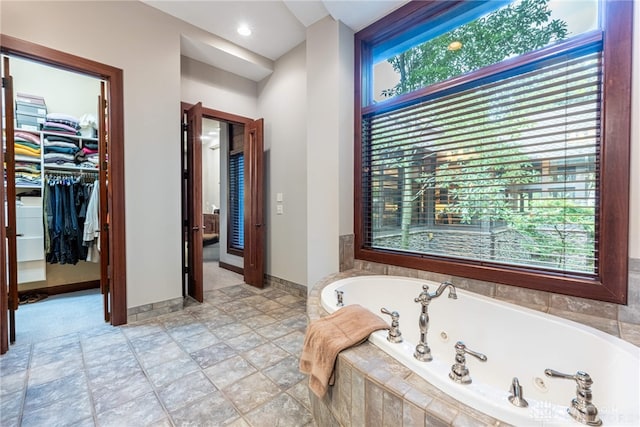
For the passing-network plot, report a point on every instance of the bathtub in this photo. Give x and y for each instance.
(517, 341)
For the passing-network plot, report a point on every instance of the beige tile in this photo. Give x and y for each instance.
(283, 411)
(213, 354)
(538, 300)
(442, 411)
(412, 416)
(285, 373)
(229, 371)
(212, 410)
(606, 325)
(188, 389)
(392, 414)
(373, 405)
(630, 332)
(251, 392)
(605, 310)
(300, 392)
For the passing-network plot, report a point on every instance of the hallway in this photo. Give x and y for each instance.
(232, 360)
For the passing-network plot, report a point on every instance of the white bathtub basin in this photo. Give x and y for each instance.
(518, 342)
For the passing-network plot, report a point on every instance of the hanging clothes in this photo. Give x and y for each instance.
(65, 200)
(91, 235)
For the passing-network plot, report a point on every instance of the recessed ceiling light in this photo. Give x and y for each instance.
(244, 30)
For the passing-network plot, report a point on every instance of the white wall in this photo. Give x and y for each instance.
(223, 91)
(63, 91)
(210, 174)
(146, 45)
(282, 102)
(345, 128)
(217, 89)
(329, 136)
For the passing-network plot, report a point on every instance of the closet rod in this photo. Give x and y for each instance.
(80, 174)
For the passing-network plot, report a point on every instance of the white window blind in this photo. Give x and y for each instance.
(236, 201)
(505, 171)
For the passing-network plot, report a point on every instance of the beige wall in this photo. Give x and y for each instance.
(323, 183)
(146, 45)
(227, 92)
(217, 89)
(63, 92)
(282, 102)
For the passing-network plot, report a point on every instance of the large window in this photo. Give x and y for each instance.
(493, 142)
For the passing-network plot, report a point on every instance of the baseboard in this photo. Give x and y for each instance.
(63, 289)
(286, 285)
(230, 267)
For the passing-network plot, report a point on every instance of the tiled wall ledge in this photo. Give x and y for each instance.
(148, 311)
(373, 389)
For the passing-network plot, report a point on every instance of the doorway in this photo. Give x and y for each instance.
(236, 142)
(109, 114)
(212, 132)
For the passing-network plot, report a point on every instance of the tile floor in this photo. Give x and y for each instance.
(232, 360)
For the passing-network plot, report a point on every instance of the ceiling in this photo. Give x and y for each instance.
(277, 26)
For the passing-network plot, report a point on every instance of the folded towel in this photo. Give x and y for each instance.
(328, 336)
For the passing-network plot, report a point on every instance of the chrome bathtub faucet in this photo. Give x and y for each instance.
(581, 409)
(515, 394)
(339, 296)
(423, 352)
(459, 371)
(395, 336)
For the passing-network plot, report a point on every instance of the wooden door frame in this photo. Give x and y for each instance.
(114, 76)
(254, 225)
(222, 116)
(194, 224)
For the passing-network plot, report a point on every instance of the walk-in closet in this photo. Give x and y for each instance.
(53, 177)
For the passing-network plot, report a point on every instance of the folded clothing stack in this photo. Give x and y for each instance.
(62, 123)
(27, 155)
(60, 150)
(27, 146)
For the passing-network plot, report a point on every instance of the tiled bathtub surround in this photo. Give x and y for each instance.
(618, 320)
(346, 252)
(622, 321)
(373, 389)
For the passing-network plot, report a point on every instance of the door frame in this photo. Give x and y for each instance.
(193, 203)
(247, 122)
(116, 227)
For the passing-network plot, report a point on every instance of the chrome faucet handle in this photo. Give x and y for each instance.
(581, 409)
(424, 298)
(339, 295)
(459, 371)
(515, 396)
(395, 336)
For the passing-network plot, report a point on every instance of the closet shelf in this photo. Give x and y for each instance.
(70, 168)
(80, 137)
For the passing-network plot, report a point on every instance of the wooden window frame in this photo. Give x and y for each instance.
(613, 210)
